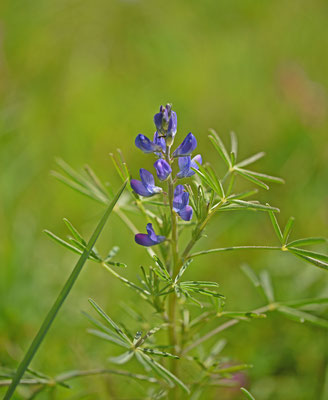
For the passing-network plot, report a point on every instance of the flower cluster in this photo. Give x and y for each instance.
(166, 128)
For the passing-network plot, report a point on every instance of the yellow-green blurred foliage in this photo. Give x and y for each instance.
(80, 78)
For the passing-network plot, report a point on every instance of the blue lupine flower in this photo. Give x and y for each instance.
(180, 203)
(166, 121)
(163, 169)
(185, 165)
(150, 238)
(187, 146)
(146, 187)
(146, 145)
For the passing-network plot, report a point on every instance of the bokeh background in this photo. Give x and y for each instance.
(79, 79)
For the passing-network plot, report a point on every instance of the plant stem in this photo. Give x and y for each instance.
(172, 299)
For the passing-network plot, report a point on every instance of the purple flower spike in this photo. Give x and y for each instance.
(185, 165)
(166, 121)
(187, 146)
(163, 169)
(150, 238)
(146, 187)
(146, 145)
(181, 203)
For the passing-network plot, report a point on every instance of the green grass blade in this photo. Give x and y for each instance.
(60, 299)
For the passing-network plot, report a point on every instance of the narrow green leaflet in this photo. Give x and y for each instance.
(251, 160)
(106, 318)
(74, 232)
(242, 314)
(63, 242)
(302, 316)
(122, 358)
(182, 270)
(60, 299)
(159, 353)
(307, 241)
(288, 228)
(219, 146)
(166, 374)
(251, 275)
(109, 337)
(276, 227)
(234, 147)
(315, 261)
(305, 302)
(255, 205)
(267, 286)
(263, 177)
(248, 395)
(252, 179)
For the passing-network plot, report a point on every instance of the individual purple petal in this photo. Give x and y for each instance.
(187, 146)
(146, 187)
(178, 190)
(186, 213)
(180, 201)
(173, 124)
(160, 141)
(139, 188)
(185, 165)
(147, 178)
(195, 161)
(151, 232)
(146, 145)
(148, 181)
(163, 169)
(149, 239)
(144, 240)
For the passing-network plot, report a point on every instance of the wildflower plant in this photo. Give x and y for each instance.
(182, 192)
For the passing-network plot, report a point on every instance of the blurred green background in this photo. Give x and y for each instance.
(79, 79)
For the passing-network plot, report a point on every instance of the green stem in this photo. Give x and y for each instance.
(172, 300)
(60, 300)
